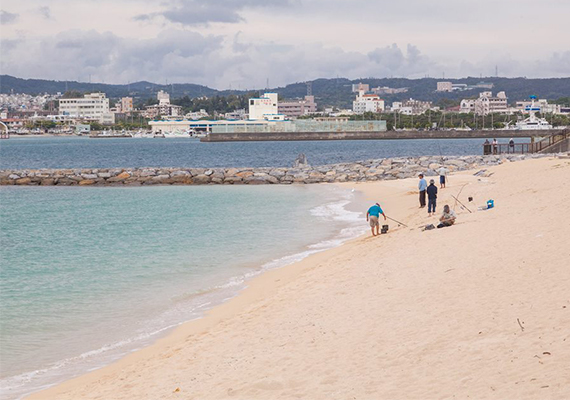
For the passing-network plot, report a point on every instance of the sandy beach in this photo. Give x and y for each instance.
(479, 310)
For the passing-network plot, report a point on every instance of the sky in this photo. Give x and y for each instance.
(246, 44)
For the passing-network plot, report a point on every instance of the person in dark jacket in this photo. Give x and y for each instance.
(432, 197)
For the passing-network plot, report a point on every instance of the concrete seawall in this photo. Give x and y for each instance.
(371, 170)
(301, 136)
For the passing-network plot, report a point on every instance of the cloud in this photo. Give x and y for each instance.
(186, 56)
(106, 57)
(45, 12)
(7, 17)
(199, 12)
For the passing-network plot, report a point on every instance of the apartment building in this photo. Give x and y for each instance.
(92, 106)
(298, 108)
(485, 104)
(367, 102)
(412, 106)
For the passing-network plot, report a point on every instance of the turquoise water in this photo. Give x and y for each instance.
(89, 274)
(81, 152)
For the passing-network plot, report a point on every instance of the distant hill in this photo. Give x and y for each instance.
(141, 89)
(330, 92)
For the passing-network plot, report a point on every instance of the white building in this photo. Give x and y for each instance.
(412, 107)
(541, 104)
(163, 108)
(485, 104)
(239, 114)
(93, 107)
(194, 115)
(367, 102)
(265, 108)
(467, 106)
(388, 90)
(163, 97)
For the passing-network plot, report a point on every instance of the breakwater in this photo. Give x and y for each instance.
(380, 135)
(370, 170)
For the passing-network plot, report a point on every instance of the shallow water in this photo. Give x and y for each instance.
(89, 274)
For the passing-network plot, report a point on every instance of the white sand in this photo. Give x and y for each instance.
(408, 315)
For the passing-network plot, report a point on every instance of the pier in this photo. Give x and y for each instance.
(380, 135)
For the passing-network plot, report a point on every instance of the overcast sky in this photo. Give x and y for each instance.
(242, 43)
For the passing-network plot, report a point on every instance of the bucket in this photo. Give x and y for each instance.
(490, 203)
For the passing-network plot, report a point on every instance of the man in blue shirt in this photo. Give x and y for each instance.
(432, 197)
(422, 186)
(372, 216)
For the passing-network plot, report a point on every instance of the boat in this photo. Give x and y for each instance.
(109, 135)
(532, 123)
(142, 135)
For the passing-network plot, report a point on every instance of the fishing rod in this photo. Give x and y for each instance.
(461, 203)
(401, 223)
(461, 190)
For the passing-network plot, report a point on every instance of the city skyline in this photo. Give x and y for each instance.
(226, 43)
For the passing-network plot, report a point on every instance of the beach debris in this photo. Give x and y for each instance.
(546, 353)
(480, 172)
(470, 199)
(428, 227)
(301, 161)
(520, 324)
(176, 390)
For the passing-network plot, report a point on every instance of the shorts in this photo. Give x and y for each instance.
(374, 221)
(442, 179)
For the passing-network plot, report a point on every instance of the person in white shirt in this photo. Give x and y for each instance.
(442, 176)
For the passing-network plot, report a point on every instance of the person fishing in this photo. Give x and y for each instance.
(432, 197)
(442, 176)
(447, 217)
(372, 216)
(422, 186)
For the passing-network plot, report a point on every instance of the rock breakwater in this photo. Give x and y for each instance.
(370, 170)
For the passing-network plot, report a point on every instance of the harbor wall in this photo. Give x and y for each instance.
(368, 135)
(371, 170)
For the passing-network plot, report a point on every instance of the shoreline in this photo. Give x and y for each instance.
(274, 289)
(226, 290)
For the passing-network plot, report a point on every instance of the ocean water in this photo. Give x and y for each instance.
(90, 274)
(80, 152)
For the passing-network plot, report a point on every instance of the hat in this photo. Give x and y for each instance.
(421, 175)
(431, 181)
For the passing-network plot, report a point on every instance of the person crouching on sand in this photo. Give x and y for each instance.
(447, 218)
(372, 216)
(432, 197)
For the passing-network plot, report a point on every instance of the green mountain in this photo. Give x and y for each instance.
(328, 92)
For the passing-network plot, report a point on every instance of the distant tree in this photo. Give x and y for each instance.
(72, 94)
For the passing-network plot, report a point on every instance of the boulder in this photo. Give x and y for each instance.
(47, 182)
(86, 182)
(245, 174)
(147, 172)
(90, 176)
(120, 177)
(23, 181)
(201, 179)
